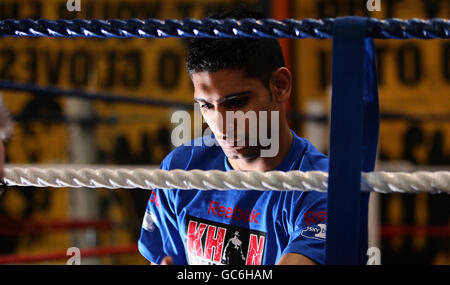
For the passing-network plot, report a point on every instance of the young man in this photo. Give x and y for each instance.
(234, 226)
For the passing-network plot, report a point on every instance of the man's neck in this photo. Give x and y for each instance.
(267, 163)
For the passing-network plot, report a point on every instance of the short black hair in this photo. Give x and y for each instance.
(258, 58)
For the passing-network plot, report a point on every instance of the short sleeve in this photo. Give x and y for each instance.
(307, 229)
(160, 235)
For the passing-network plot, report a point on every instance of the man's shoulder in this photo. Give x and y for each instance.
(199, 153)
(313, 159)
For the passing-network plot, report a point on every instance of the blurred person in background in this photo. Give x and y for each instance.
(6, 127)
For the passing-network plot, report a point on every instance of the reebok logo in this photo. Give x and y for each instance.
(313, 217)
(232, 213)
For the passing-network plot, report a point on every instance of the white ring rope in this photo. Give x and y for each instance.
(115, 178)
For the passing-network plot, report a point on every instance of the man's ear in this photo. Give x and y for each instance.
(281, 84)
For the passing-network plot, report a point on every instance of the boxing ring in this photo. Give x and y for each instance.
(354, 118)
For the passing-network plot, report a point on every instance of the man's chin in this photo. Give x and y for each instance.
(243, 153)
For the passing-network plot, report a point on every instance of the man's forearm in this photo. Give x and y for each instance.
(295, 259)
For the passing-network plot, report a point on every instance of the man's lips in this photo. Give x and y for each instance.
(230, 143)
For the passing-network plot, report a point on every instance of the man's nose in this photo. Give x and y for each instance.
(219, 121)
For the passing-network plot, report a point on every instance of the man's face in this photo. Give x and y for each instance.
(231, 90)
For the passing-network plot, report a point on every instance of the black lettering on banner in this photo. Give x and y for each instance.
(63, 13)
(213, 8)
(324, 69)
(436, 153)
(8, 58)
(446, 60)
(125, 10)
(391, 6)
(353, 8)
(9, 10)
(53, 61)
(36, 10)
(151, 9)
(357, 8)
(107, 11)
(80, 67)
(132, 75)
(169, 69)
(185, 9)
(432, 7)
(327, 8)
(70, 12)
(115, 10)
(31, 65)
(110, 70)
(412, 139)
(89, 9)
(21, 10)
(335, 8)
(380, 56)
(409, 64)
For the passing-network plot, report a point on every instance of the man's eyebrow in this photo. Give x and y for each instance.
(234, 95)
(226, 98)
(199, 100)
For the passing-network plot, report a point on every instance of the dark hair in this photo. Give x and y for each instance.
(259, 58)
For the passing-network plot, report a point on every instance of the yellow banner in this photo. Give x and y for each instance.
(145, 68)
(413, 75)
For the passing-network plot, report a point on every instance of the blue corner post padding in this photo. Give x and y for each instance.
(353, 140)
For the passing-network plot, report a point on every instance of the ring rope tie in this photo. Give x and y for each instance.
(212, 28)
(381, 182)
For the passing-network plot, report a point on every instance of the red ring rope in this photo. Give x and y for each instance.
(61, 255)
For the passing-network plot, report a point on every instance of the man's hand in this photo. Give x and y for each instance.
(295, 259)
(165, 261)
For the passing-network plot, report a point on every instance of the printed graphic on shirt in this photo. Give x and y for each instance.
(209, 242)
(149, 220)
(154, 199)
(318, 231)
(235, 213)
(314, 217)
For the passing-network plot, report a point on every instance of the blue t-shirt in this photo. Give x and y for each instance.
(235, 226)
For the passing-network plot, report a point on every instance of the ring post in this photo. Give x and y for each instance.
(353, 140)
